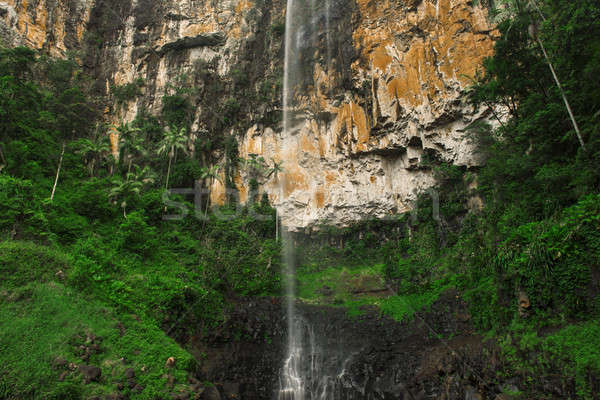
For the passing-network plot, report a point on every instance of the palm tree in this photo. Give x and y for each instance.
(93, 150)
(276, 169)
(130, 144)
(172, 141)
(124, 190)
(145, 175)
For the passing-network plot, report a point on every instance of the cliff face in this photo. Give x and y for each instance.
(55, 26)
(384, 88)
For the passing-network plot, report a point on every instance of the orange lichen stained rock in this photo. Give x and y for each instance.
(198, 29)
(456, 38)
(43, 24)
(307, 144)
(241, 188)
(218, 194)
(114, 142)
(293, 181)
(355, 144)
(243, 5)
(330, 178)
(319, 198)
(353, 121)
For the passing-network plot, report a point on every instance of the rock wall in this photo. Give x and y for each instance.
(55, 26)
(386, 88)
(436, 355)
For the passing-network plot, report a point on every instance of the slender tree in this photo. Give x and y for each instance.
(131, 144)
(93, 150)
(60, 161)
(173, 140)
(211, 175)
(503, 10)
(124, 190)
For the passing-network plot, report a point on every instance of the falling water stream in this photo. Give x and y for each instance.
(303, 375)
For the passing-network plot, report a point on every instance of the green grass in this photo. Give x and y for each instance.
(359, 287)
(24, 262)
(43, 321)
(339, 281)
(577, 348)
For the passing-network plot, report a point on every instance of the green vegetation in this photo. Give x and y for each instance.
(359, 287)
(100, 258)
(45, 324)
(86, 252)
(128, 91)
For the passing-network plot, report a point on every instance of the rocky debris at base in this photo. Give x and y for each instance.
(90, 373)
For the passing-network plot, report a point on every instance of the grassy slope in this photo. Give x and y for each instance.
(43, 320)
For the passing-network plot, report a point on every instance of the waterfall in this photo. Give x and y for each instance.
(292, 385)
(303, 374)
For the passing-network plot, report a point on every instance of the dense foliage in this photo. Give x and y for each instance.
(99, 243)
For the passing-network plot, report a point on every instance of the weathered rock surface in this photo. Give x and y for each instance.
(434, 356)
(384, 88)
(50, 25)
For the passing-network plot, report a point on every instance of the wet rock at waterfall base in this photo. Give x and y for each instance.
(368, 353)
(211, 393)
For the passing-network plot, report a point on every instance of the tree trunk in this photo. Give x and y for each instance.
(276, 225)
(168, 173)
(564, 96)
(57, 172)
(207, 204)
(2, 156)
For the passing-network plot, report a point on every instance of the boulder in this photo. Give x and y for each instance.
(90, 373)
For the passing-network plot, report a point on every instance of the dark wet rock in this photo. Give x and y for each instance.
(138, 389)
(131, 382)
(129, 373)
(90, 373)
(60, 363)
(202, 40)
(434, 355)
(211, 393)
(231, 390)
(114, 396)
